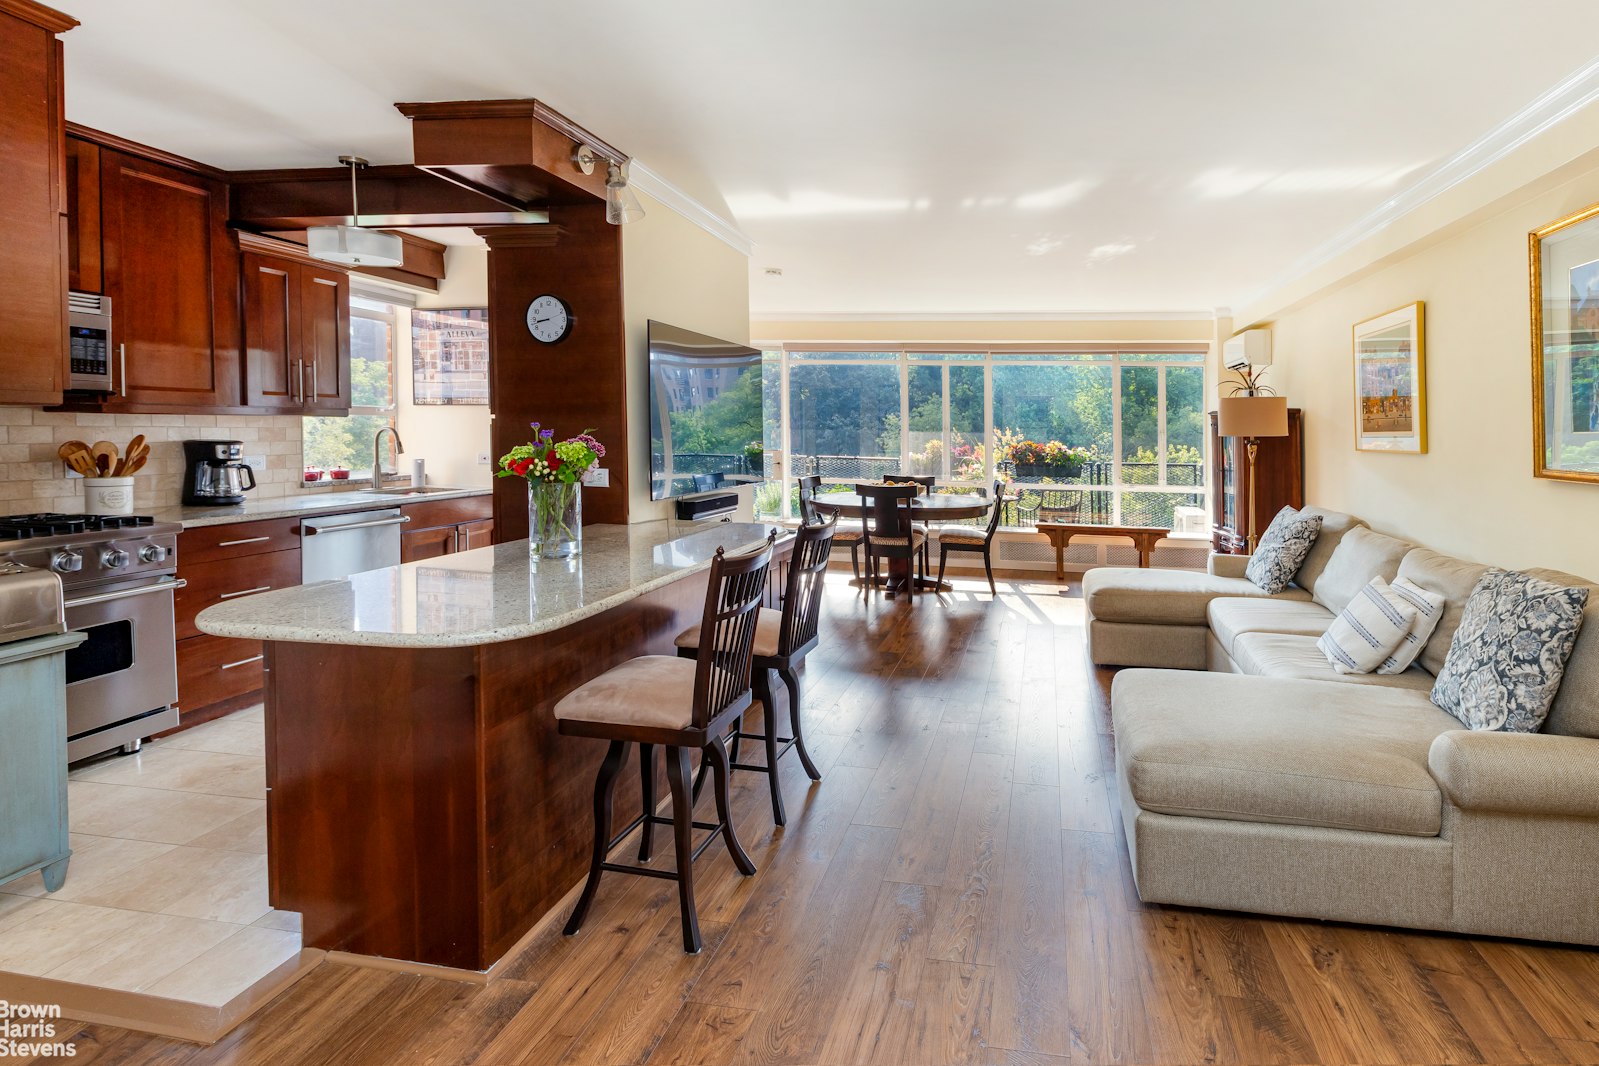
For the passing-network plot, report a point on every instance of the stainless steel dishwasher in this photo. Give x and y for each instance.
(334, 546)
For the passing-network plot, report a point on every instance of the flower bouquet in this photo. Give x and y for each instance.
(554, 473)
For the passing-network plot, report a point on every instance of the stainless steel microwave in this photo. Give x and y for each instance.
(89, 341)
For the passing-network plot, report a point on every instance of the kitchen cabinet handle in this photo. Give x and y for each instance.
(122, 374)
(311, 531)
(245, 592)
(299, 381)
(246, 540)
(244, 662)
(315, 392)
(145, 590)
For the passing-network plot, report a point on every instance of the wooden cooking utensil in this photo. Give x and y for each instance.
(121, 469)
(135, 462)
(76, 454)
(105, 456)
(102, 464)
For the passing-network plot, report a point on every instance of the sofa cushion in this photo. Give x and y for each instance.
(1368, 631)
(1282, 549)
(1576, 709)
(1429, 607)
(1163, 597)
(1334, 526)
(1509, 654)
(1455, 579)
(1361, 555)
(1231, 618)
(1297, 657)
(1292, 752)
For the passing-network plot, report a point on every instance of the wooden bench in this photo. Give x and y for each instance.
(1144, 538)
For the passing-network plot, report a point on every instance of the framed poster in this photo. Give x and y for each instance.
(1391, 382)
(1564, 261)
(450, 356)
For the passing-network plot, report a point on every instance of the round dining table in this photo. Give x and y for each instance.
(933, 507)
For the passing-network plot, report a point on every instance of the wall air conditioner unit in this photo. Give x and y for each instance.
(1252, 347)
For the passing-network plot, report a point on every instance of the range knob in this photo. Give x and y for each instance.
(66, 562)
(112, 558)
(153, 553)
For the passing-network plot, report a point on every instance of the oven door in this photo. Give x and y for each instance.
(128, 666)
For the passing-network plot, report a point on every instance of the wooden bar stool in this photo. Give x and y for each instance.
(782, 640)
(681, 706)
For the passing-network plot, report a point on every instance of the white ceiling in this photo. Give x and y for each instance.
(897, 156)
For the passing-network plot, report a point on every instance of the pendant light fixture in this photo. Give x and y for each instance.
(621, 203)
(354, 245)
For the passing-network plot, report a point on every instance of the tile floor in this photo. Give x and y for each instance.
(166, 893)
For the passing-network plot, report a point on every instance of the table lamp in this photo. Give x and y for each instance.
(1252, 416)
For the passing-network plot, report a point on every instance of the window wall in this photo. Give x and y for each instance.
(1113, 437)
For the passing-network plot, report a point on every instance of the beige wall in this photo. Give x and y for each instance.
(1473, 494)
(674, 272)
(449, 438)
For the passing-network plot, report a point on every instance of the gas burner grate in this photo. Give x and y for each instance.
(27, 526)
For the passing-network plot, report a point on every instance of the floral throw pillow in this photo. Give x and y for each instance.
(1282, 549)
(1505, 663)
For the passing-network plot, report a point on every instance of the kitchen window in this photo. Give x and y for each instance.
(341, 442)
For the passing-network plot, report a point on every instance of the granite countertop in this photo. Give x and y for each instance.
(482, 596)
(309, 504)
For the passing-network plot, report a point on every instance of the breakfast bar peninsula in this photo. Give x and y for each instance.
(420, 804)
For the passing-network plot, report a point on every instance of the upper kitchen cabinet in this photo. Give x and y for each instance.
(171, 268)
(33, 206)
(296, 330)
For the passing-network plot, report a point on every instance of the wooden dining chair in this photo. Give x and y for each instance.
(927, 482)
(782, 640)
(682, 705)
(953, 538)
(849, 534)
(888, 530)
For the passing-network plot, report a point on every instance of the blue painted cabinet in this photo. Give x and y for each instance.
(33, 758)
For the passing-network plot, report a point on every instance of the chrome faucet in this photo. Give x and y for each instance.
(377, 454)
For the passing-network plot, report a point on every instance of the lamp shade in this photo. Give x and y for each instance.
(354, 246)
(1252, 416)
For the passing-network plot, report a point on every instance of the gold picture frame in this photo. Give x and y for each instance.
(1563, 262)
(1390, 365)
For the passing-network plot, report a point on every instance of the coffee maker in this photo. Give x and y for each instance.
(216, 473)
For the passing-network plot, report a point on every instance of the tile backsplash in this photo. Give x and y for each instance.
(32, 478)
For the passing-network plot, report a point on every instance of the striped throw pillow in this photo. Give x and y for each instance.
(1368, 631)
(1429, 607)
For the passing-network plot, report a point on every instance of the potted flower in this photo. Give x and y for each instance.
(1048, 459)
(554, 473)
(754, 454)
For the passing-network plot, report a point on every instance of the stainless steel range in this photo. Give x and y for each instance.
(117, 576)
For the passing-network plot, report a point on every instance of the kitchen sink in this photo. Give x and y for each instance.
(401, 493)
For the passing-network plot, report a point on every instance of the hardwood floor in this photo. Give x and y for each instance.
(955, 890)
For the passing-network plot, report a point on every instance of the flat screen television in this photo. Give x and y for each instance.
(705, 413)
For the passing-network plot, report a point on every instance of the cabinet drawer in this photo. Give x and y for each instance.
(237, 539)
(213, 669)
(228, 579)
(430, 513)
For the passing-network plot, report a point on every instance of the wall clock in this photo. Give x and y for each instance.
(549, 319)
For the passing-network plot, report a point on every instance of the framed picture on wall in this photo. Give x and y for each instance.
(1391, 382)
(450, 356)
(1564, 259)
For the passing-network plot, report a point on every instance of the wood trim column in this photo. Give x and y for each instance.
(579, 383)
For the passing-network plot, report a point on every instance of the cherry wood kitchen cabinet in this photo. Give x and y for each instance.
(33, 347)
(296, 330)
(219, 675)
(444, 527)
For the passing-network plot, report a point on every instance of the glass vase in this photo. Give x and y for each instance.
(554, 519)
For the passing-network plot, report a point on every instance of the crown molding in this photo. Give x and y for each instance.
(996, 316)
(1568, 96)
(645, 180)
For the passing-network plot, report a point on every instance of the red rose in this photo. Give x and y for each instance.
(521, 465)
(553, 461)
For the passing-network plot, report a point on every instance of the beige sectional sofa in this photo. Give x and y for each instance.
(1271, 783)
